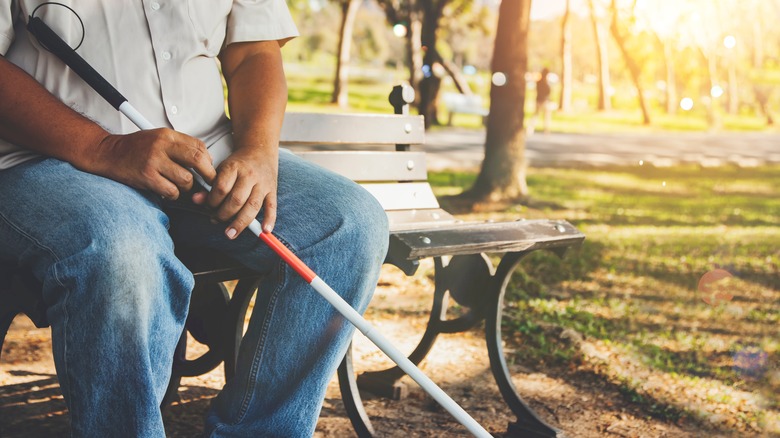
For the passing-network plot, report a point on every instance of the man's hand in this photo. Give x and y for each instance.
(157, 160)
(245, 183)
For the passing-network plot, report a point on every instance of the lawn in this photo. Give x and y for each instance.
(635, 305)
(310, 87)
(674, 299)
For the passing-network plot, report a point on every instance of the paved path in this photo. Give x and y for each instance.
(456, 148)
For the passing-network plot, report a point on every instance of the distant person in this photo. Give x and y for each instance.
(542, 102)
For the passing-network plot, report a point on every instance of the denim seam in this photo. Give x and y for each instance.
(259, 353)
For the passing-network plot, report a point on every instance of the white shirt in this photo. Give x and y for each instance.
(160, 54)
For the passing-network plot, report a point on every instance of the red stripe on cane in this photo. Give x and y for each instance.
(288, 256)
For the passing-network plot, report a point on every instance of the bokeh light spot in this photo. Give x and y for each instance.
(399, 30)
(750, 361)
(715, 287)
(686, 104)
(499, 79)
(717, 91)
(426, 69)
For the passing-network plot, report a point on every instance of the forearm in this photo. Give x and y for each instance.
(246, 181)
(155, 160)
(33, 118)
(257, 98)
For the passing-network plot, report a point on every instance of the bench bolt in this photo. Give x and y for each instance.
(408, 128)
(425, 240)
(410, 165)
(560, 228)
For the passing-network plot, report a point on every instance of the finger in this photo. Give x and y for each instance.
(247, 214)
(199, 198)
(235, 200)
(176, 174)
(192, 153)
(269, 214)
(163, 187)
(221, 187)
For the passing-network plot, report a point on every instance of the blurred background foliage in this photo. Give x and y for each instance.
(702, 64)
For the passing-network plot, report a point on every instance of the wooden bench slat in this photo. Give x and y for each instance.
(415, 219)
(474, 238)
(403, 196)
(316, 128)
(367, 166)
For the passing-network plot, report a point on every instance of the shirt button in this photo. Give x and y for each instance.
(166, 55)
(155, 6)
(174, 109)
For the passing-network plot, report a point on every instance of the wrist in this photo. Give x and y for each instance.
(91, 157)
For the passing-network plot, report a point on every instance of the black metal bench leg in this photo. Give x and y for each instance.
(528, 423)
(223, 337)
(386, 383)
(239, 305)
(353, 404)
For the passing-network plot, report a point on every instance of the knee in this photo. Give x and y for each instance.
(364, 226)
(128, 274)
(352, 242)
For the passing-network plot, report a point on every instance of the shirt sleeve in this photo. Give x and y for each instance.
(8, 10)
(260, 20)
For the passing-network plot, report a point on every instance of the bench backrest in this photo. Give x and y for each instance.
(359, 146)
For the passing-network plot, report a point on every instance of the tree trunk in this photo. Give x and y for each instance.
(713, 110)
(633, 67)
(566, 60)
(414, 46)
(758, 45)
(349, 10)
(733, 87)
(605, 101)
(671, 79)
(431, 81)
(502, 176)
(762, 92)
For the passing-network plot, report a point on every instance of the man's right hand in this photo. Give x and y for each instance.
(157, 160)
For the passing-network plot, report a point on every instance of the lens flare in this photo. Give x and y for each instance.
(730, 42)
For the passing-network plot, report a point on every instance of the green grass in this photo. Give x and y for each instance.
(632, 289)
(310, 87)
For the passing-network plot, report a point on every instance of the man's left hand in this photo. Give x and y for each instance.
(245, 184)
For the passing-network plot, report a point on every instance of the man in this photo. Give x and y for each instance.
(542, 102)
(81, 205)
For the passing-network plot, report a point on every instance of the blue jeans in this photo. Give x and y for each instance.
(117, 296)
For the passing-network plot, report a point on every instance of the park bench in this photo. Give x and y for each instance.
(357, 147)
(457, 103)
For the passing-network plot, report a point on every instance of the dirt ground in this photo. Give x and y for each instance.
(573, 400)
